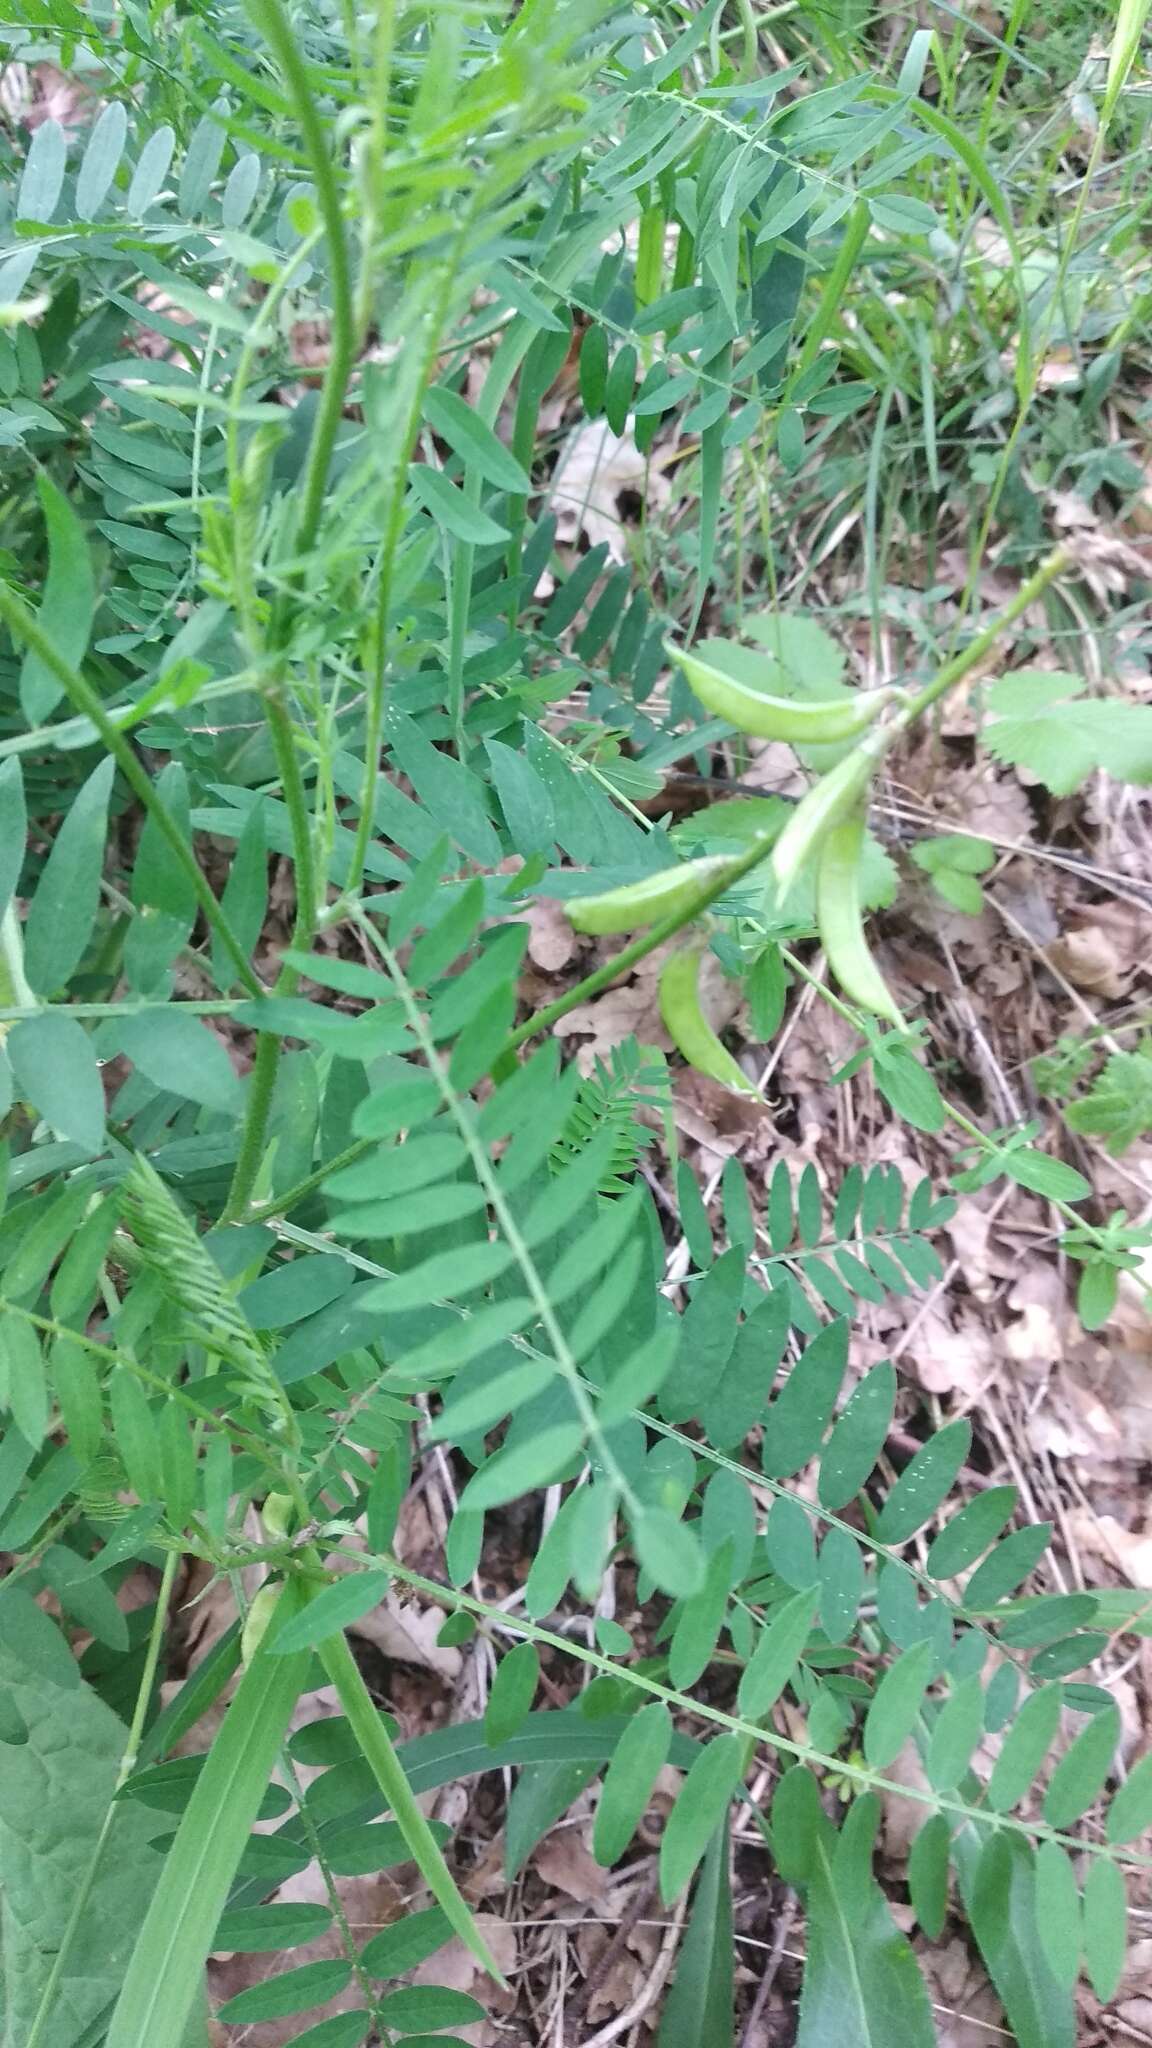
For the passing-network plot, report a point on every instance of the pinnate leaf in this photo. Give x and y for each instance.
(800, 1413)
(63, 910)
(896, 1705)
(336, 1606)
(640, 1755)
(702, 1803)
(1131, 1810)
(513, 1690)
(1081, 1772)
(924, 1484)
(777, 1655)
(55, 1068)
(1058, 1912)
(1105, 1919)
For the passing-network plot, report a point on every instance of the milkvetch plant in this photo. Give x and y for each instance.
(235, 1304)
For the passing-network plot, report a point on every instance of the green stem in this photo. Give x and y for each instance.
(263, 1078)
(1037, 346)
(982, 643)
(859, 1773)
(376, 684)
(272, 22)
(44, 2011)
(25, 627)
(378, 1753)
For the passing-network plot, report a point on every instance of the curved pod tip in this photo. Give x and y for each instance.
(840, 920)
(688, 1027)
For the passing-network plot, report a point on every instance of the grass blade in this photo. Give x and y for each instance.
(164, 1974)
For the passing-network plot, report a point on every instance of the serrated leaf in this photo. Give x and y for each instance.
(1042, 721)
(640, 1755)
(703, 1801)
(62, 1752)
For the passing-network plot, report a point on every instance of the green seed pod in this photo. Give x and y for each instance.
(688, 1027)
(828, 803)
(781, 718)
(841, 923)
(259, 1616)
(646, 902)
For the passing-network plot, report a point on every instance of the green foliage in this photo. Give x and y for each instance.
(235, 1295)
(1042, 721)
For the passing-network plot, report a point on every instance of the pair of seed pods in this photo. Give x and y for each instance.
(825, 831)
